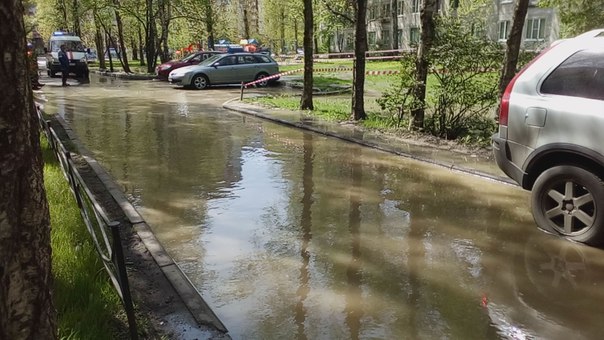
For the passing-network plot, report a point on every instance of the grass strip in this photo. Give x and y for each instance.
(88, 305)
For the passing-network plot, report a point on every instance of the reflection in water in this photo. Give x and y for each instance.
(354, 298)
(306, 225)
(294, 235)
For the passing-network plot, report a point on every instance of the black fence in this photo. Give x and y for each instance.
(105, 233)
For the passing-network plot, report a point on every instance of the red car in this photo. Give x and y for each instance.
(164, 69)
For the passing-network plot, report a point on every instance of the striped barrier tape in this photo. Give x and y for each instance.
(380, 73)
(332, 69)
(274, 76)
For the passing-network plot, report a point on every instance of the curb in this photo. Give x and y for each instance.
(183, 287)
(305, 126)
(122, 75)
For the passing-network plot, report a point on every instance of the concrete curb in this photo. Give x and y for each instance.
(192, 299)
(259, 112)
(122, 75)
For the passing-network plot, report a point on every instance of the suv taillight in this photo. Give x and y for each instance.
(504, 108)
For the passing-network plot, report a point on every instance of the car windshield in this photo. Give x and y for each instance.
(70, 45)
(210, 60)
(189, 57)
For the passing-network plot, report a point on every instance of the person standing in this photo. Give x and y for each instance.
(64, 61)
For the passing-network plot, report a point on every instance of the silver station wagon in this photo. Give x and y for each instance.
(551, 137)
(226, 69)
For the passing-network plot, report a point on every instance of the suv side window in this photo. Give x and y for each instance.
(581, 75)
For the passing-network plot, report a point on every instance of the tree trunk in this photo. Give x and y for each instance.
(246, 24)
(164, 20)
(360, 47)
(282, 30)
(98, 42)
(306, 102)
(26, 309)
(63, 10)
(209, 23)
(150, 37)
(109, 44)
(422, 63)
(256, 17)
(394, 24)
(513, 45)
(295, 36)
(141, 47)
(76, 19)
(134, 48)
(120, 35)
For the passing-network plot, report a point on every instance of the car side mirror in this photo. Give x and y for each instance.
(216, 64)
(88, 50)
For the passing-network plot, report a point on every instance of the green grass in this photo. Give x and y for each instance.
(87, 303)
(330, 108)
(371, 65)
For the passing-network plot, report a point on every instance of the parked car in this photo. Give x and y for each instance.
(113, 52)
(226, 69)
(550, 138)
(164, 69)
(91, 56)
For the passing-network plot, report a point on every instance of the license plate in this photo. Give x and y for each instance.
(71, 64)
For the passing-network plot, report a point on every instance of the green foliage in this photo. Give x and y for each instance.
(466, 81)
(462, 85)
(399, 99)
(577, 16)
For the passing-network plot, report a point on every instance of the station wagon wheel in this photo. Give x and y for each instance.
(200, 82)
(569, 201)
(261, 76)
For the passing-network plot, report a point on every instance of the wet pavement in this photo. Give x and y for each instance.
(293, 234)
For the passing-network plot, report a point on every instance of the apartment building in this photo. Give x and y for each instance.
(379, 22)
(541, 27)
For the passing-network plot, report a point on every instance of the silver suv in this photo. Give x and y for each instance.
(551, 136)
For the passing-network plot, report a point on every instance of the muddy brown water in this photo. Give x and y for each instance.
(289, 234)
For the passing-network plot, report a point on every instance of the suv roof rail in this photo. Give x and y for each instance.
(591, 34)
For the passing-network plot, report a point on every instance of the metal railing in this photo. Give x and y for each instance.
(104, 232)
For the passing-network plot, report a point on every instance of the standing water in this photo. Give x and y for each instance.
(289, 234)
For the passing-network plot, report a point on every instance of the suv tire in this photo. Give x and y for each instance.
(569, 201)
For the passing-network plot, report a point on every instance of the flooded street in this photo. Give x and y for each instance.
(293, 235)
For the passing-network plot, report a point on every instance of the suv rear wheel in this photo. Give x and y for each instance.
(569, 201)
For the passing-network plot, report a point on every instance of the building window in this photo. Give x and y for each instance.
(504, 29)
(399, 7)
(386, 11)
(414, 35)
(371, 39)
(535, 29)
(400, 38)
(371, 13)
(415, 5)
(386, 38)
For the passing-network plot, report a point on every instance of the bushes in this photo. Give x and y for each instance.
(462, 84)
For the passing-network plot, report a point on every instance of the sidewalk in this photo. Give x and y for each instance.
(475, 164)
